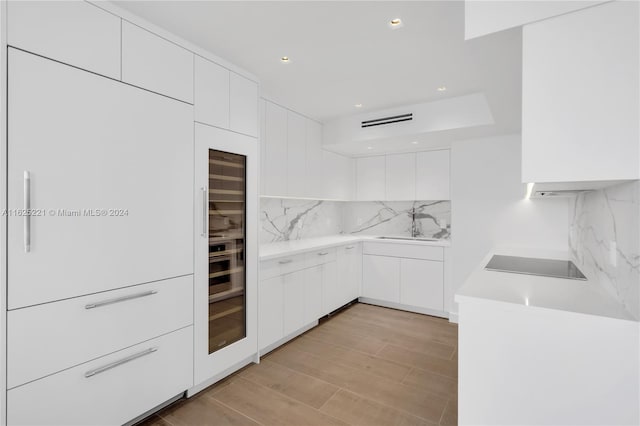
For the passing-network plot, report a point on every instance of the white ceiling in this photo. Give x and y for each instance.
(343, 52)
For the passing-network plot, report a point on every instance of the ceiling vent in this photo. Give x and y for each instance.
(387, 120)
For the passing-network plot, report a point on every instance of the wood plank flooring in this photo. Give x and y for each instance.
(367, 366)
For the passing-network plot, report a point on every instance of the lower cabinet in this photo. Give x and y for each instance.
(293, 302)
(381, 278)
(270, 311)
(110, 390)
(421, 283)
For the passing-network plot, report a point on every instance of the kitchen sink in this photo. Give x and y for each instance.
(409, 238)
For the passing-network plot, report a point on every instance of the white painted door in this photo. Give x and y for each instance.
(294, 301)
(271, 310)
(422, 283)
(275, 144)
(94, 146)
(381, 278)
(338, 176)
(400, 177)
(370, 178)
(312, 294)
(330, 287)
(349, 260)
(296, 154)
(225, 296)
(211, 95)
(315, 170)
(433, 175)
(243, 105)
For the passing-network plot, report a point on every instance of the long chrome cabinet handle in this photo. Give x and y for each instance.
(120, 299)
(27, 212)
(205, 211)
(284, 262)
(115, 364)
(350, 247)
(324, 253)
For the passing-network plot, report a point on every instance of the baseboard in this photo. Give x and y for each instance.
(402, 307)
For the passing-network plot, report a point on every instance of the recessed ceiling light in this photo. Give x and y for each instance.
(395, 23)
(358, 105)
(442, 89)
(285, 59)
(369, 147)
(415, 142)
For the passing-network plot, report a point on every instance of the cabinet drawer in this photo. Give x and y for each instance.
(74, 32)
(47, 338)
(282, 265)
(411, 251)
(156, 64)
(320, 257)
(117, 392)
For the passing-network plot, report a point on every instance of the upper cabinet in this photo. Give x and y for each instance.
(211, 93)
(156, 64)
(432, 175)
(370, 178)
(243, 105)
(74, 32)
(294, 163)
(580, 96)
(401, 177)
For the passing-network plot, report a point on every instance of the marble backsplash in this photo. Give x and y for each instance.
(398, 218)
(290, 219)
(596, 220)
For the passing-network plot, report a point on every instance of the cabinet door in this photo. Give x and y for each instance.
(315, 167)
(400, 177)
(243, 105)
(296, 154)
(338, 176)
(422, 283)
(381, 278)
(73, 32)
(330, 287)
(349, 272)
(580, 83)
(433, 175)
(312, 294)
(294, 300)
(270, 311)
(211, 102)
(370, 178)
(156, 64)
(275, 144)
(99, 145)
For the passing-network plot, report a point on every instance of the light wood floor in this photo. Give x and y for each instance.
(365, 366)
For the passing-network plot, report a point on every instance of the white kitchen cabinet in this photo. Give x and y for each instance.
(296, 155)
(580, 84)
(74, 32)
(110, 390)
(381, 278)
(400, 177)
(315, 169)
(293, 302)
(243, 105)
(270, 311)
(211, 95)
(421, 283)
(99, 145)
(156, 64)
(338, 176)
(349, 273)
(433, 175)
(275, 147)
(313, 294)
(370, 178)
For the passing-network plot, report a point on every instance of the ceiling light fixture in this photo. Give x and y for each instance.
(285, 59)
(369, 147)
(358, 105)
(395, 23)
(442, 89)
(415, 142)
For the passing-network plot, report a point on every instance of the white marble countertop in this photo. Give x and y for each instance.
(288, 248)
(529, 291)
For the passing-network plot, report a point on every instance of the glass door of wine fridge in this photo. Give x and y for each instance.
(226, 234)
(226, 253)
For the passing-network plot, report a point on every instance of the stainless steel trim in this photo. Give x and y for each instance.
(205, 211)
(118, 363)
(324, 253)
(27, 211)
(120, 299)
(284, 262)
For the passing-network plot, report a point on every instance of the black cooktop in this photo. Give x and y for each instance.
(532, 266)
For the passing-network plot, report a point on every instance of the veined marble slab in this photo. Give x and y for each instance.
(288, 219)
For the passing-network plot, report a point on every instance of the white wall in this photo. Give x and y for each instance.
(489, 209)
